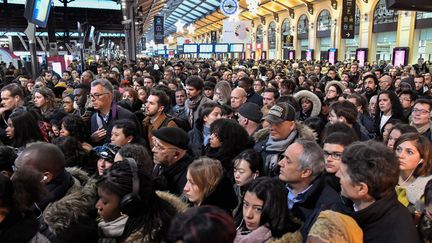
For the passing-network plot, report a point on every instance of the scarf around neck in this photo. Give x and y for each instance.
(280, 146)
(113, 229)
(193, 104)
(424, 128)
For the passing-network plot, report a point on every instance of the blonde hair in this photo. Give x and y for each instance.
(206, 174)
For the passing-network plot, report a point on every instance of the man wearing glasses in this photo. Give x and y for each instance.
(334, 145)
(421, 117)
(101, 95)
(171, 157)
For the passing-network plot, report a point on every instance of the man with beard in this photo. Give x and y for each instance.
(155, 114)
(194, 90)
(370, 83)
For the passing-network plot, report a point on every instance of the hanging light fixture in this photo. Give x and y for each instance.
(253, 6)
(191, 29)
(179, 25)
(170, 38)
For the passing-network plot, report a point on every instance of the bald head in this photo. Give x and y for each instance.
(43, 157)
(385, 82)
(238, 98)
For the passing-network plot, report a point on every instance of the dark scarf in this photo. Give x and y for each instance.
(57, 189)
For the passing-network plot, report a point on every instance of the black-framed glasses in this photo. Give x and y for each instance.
(97, 96)
(335, 155)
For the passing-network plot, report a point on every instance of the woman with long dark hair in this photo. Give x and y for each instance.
(266, 215)
(199, 136)
(414, 152)
(388, 107)
(22, 129)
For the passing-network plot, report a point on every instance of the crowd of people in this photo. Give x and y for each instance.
(204, 150)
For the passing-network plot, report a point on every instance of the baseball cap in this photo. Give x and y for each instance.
(280, 112)
(251, 111)
(107, 152)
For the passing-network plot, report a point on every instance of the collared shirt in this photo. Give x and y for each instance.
(106, 117)
(292, 198)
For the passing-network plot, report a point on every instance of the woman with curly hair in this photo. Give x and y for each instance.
(74, 126)
(44, 100)
(131, 96)
(227, 140)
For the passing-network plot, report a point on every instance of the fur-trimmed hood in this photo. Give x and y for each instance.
(172, 199)
(316, 108)
(338, 83)
(78, 201)
(289, 237)
(304, 132)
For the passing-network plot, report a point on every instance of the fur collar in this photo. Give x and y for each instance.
(80, 198)
(289, 238)
(175, 201)
(304, 132)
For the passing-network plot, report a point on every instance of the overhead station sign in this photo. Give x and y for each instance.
(158, 29)
(237, 31)
(348, 19)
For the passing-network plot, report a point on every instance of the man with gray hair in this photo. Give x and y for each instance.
(301, 168)
(101, 95)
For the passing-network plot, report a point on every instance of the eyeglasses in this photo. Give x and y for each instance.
(335, 155)
(97, 96)
(421, 111)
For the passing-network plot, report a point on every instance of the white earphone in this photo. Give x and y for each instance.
(44, 178)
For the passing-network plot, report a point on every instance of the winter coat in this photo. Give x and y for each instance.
(196, 141)
(173, 177)
(255, 98)
(386, 220)
(317, 198)
(263, 235)
(179, 206)
(222, 196)
(67, 218)
(116, 113)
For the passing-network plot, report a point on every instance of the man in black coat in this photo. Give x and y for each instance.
(368, 174)
(302, 169)
(101, 95)
(171, 157)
